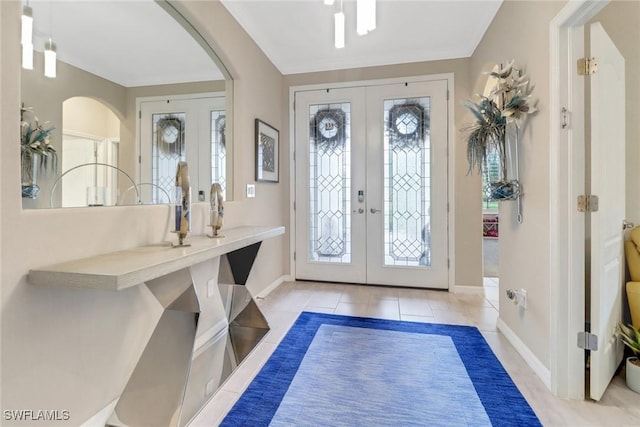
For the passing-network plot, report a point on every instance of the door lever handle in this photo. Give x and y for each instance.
(627, 225)
(359, 210)
(373, 210)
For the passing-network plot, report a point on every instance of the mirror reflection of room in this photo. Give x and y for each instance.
(105, 150)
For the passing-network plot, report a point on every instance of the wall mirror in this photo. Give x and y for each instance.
(136, 89)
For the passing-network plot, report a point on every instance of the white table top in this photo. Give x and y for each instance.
(123, 269)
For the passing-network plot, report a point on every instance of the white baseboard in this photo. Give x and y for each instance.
(272, 287)
(468, 289)
(528, 356)
(100, 419)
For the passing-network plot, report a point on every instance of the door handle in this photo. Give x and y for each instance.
(359, 210)
(627, 225)
(373, 210)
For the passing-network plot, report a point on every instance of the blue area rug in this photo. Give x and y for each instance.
(334, 370)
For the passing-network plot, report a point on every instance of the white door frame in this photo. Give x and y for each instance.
(566, 182)
(449, 77)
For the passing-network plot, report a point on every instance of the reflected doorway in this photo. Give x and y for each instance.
(90, 136)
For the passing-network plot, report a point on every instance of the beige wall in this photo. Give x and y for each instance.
(89, 117)
(74, 349)
(466, 192)
(520, 31)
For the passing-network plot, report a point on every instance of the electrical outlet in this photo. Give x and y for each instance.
(251, 191)
(211, 287)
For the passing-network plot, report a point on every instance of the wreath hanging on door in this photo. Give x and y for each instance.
(170, 135)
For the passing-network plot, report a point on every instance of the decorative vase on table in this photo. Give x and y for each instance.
(29, 176)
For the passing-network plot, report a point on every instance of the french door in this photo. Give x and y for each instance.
(175, 129)
(371, 184)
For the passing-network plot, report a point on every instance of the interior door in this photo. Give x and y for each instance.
(608, 183)
(371, 184)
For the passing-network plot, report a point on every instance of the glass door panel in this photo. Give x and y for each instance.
(329, 183)
(407, 182)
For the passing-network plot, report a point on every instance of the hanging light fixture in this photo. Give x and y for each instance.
(27, 25)
(365, 16)
(50, 49)
(50, 59)
(26, 39)
(338, 19)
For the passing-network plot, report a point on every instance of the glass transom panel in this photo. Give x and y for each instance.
(330, 183)
(407, 182)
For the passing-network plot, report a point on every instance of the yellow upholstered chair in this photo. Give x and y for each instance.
(632, 250)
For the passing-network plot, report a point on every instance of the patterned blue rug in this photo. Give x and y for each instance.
(334, 370)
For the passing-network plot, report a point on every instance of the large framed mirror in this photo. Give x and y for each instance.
(136, 89)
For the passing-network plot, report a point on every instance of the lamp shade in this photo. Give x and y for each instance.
(27, 26)
(27, 56)
(339, 29)
(365, 16)
(50, 59)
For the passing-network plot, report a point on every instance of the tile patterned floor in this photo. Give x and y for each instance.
(619, 407)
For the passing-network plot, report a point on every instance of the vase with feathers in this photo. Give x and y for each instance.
(37, 153)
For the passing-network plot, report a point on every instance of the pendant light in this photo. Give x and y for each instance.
(50, 59)
(365, 16)
(50, 49)
(26, 39)
(338, 19)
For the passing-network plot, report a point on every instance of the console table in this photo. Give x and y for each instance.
(210, 322)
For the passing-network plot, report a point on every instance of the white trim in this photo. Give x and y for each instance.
(534, 363)
(292, 182)
(566, 179)
(467, 289)
(272, 286)
(101, 418)
(450, 78)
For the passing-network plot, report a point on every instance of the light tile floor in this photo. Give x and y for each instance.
(619, 406)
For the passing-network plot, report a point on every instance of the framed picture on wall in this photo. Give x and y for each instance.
(267, 152)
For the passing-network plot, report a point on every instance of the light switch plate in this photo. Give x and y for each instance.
(251, 191)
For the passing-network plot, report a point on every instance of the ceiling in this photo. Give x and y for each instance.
(136, 43)
(297, 35)
(132, 43)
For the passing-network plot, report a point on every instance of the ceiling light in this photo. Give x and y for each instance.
(27, 56)
(339, 29)
(50, 59)
(365, 16)
(27, 26)
(329, 2)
